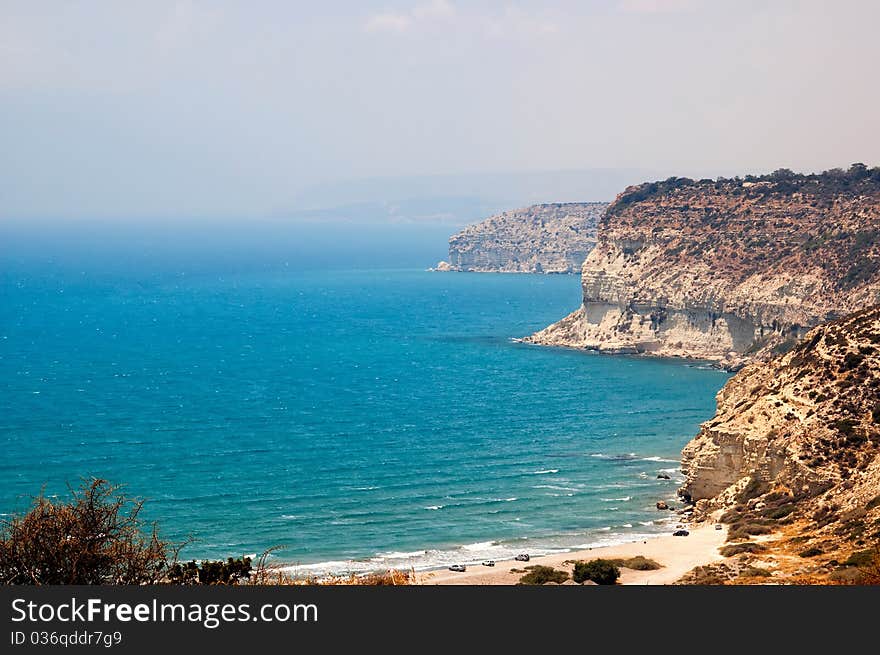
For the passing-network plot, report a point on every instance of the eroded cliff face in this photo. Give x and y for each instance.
(793, 454)
(730, 270)
(551, 238)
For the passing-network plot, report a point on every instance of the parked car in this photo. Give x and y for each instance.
(522, 557)
(458, 568)
(718, 526)
(680, 533)
(489, 562)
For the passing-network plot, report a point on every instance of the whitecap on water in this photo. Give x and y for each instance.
(480, 545)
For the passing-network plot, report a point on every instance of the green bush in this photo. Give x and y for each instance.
(754, 488)
(744, 530)
(211, 572)
(542, 574)
(861, 558)
(640, 563)
(812, 551)
(637, 563)
(754, 572)
(600, 571)
(745, 547)
(847, 576)
(778, 512)
(846, 426)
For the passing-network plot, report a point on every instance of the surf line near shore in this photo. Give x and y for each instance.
(676, 555)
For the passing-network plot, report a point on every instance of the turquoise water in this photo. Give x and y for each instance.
(358, 418)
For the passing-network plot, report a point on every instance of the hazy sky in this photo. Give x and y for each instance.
(184, 108)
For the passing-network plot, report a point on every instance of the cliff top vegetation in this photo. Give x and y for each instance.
(858, 179)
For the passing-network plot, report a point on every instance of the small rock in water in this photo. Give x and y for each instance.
(662, 505)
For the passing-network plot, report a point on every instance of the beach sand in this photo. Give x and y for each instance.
(677, 555)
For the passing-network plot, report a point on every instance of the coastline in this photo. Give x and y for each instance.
(677, 555)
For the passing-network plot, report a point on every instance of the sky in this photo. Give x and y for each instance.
(169, 108)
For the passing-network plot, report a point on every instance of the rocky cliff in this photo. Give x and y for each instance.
(730, 269)
(552, 238)
(793, 452)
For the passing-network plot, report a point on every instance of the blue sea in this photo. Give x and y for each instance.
(357, 417)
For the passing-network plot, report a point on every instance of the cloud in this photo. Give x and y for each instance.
(437, 9)
(388, 22)
(514, 22)
(400, 22)
(656, 6)
(510, 22)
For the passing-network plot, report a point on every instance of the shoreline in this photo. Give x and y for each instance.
(717, 363)
(676, 555)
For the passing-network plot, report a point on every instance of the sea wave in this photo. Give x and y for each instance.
(544, 472)
(480, 546)
(473, 553)
(400, 555)
(628, 457)
(619, 458)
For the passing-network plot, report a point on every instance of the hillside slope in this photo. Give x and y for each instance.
(793, 451)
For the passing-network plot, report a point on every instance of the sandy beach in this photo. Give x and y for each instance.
(677, 555)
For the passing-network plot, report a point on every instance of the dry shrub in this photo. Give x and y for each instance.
(640, 563)
(754, 572)
(636, 563)
(745, 547)
(278, 577)
(96, 538)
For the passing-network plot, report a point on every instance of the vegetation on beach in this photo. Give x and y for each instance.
(744, 547)
(600, 571)
(637, 563)
(542, 575)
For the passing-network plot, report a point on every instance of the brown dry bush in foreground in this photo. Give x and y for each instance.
(97, 537)
(389, 578)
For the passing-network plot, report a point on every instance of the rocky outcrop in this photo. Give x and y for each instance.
(727, 270)
(794, 447)
(809, 419)
(551, 238)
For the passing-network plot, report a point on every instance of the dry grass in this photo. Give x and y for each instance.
(274, 576)
(95, 538)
